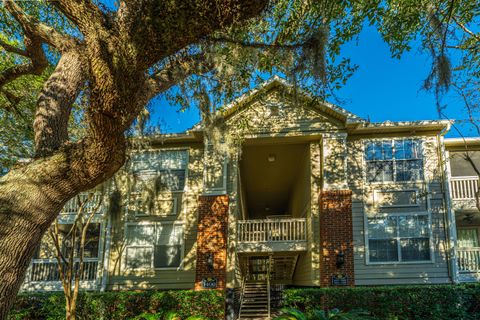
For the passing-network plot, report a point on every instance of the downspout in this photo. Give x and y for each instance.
(449, 218)
(106, 254)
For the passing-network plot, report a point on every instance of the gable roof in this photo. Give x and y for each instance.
(277, 82)
(353, 123)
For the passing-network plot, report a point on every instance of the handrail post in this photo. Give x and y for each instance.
(268, 284)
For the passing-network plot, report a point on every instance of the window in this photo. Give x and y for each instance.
(399, 238)
(158, 245)
(146, 204)
(394, 160)
(467, 238)
(215, 170)
(167, 168)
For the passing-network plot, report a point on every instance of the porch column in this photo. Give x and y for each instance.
(336, 238)
(211, 264)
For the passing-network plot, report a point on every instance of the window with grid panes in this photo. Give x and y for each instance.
(156, 245)
(399, 238)
(167, 168)
(394, 160)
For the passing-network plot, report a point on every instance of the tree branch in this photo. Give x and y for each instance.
(465, 29)
(34, 28)
(173, 25)
(256, 45)
(83, 13)
(178, 70)
(55, 103)
(13, 49)
(37, 65)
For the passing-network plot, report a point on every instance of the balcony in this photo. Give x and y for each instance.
(468, 263)
(463, 191)
(90, 201)
(43, 275)
(272, 235)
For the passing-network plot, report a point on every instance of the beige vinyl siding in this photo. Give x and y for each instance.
(430, 200)
(187, 204)
(278, 114)
(300, 208)
(307, 271)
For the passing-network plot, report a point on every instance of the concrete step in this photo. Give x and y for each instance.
(246, 310)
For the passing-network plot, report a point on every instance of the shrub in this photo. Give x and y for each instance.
(122, 305)
(392, 302)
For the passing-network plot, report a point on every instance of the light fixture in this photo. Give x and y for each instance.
(340, 260)
(468, 218)
(271, 157)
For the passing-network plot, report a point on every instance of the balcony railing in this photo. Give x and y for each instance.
(92, 201)
(47, 270)
(464, 188)
(468, 260)
(272, 230)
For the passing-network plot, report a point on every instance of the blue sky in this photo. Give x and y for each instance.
(383, 88)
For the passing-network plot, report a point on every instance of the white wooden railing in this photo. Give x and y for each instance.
(73, 205)
(468, 259)
(47, 270)
(271, 230)
(464, 188)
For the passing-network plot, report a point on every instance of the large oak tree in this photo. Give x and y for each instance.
(113, 56)
(110, 63)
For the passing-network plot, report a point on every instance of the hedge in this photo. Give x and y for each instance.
(392, 302)
(121, 305)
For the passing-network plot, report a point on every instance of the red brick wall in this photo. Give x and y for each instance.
(212, 238)
(336, 235)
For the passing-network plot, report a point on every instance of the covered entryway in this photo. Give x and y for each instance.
(272, 234)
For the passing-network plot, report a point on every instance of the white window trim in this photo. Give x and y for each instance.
(157, 170)
(431, 245)
(141, 214)
(364, 163)
(377, 191)
(152, 268)
(216, 191)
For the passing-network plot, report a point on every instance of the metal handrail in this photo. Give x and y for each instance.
(242, 293)
(268, 284)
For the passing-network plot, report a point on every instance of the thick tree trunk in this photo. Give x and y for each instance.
(117, 59)
(32, 196)
(26, 211)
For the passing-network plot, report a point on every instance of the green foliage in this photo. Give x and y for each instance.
(393, 302)
(146, 305)
(317, 314)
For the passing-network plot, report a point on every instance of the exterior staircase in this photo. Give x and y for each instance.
(283, 267)
(255, 303)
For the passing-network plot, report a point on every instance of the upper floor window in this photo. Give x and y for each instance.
(215, 174)
(167, 167)
(394, 160)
